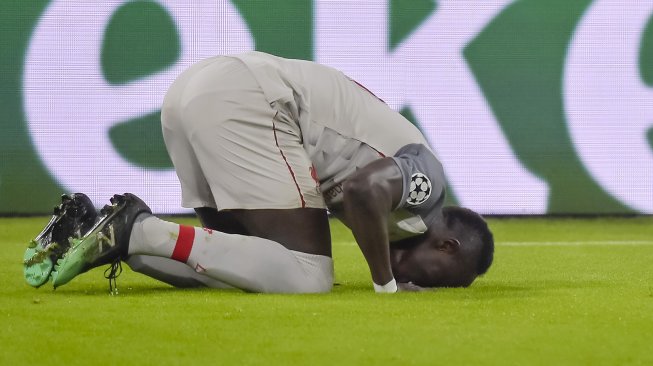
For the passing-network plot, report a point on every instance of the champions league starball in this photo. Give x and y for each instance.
(420, 189)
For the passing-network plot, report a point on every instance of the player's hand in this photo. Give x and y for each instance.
(408, 287)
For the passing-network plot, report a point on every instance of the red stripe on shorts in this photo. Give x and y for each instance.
(184, 243)
(292, 173)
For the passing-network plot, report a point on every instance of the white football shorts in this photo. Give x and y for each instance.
(230, 148)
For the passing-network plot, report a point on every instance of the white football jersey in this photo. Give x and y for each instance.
(344, 127)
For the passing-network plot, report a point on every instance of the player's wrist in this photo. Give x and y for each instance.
(390, 287)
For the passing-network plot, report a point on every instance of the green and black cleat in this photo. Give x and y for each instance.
(73, 218)
(105, 243)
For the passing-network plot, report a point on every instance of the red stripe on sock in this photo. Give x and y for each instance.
(184, 243)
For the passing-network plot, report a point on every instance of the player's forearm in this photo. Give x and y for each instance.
(366, 210)
(369, 196)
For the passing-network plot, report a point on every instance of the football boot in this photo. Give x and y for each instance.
(73, 218)
(105, 243)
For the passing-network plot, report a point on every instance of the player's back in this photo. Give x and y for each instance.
(332, 100)
(343, 125)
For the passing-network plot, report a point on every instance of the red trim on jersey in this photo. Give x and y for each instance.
(363, 86)
(184, 243)
(292, 173)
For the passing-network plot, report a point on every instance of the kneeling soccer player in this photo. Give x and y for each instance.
(262, 147)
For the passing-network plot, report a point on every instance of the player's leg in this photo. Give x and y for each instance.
(180, 275)
(254, 163)
(255, 264)
(258, 174)
(247, 262)
(177, 273)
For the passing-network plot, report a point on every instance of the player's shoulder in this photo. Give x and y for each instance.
(418, 156)
(415, 150)
(423, 179)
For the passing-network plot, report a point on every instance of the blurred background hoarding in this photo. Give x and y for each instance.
(533, 106)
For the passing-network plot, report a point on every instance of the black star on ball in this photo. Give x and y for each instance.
(420, 189)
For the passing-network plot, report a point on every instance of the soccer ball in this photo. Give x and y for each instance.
(420, 189)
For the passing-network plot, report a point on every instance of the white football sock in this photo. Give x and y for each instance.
(151, 235)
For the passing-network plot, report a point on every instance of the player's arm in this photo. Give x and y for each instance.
(370, 194)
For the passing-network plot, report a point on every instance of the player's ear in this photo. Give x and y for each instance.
(449, 245)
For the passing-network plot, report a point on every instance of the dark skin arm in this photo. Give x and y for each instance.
(370, 194)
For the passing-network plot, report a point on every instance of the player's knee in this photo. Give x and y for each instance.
(321, 285)
(307, 286)
(317, 276)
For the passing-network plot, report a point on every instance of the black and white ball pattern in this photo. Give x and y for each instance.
(420, 189)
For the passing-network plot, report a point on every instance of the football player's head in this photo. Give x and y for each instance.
(451, 253)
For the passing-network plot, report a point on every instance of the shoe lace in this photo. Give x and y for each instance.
(111, 274)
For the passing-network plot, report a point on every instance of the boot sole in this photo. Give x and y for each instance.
(37, 259)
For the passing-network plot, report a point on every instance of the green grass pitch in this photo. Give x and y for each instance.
(560, 292)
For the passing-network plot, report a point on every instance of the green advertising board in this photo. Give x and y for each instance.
(533, 106)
